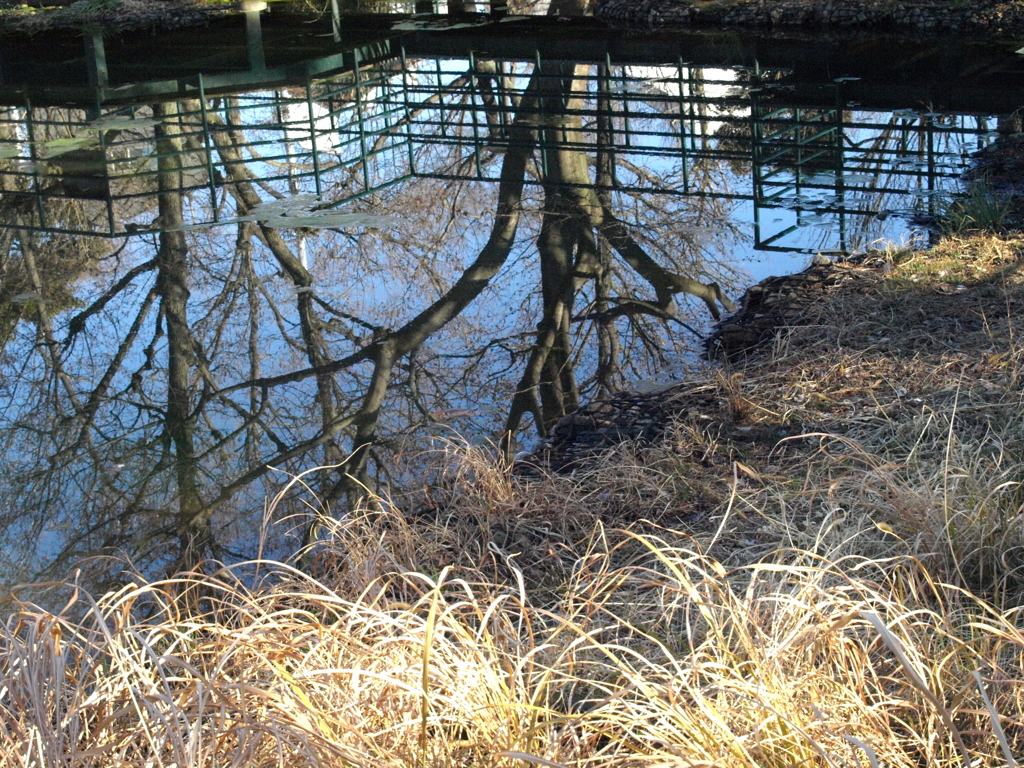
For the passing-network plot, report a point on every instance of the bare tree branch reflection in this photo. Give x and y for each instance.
(199, 362)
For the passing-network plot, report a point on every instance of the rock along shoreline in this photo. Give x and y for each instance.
(988, 19)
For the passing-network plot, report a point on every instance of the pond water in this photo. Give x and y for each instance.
(334, 240)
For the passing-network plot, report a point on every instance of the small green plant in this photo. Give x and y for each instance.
(980, 209)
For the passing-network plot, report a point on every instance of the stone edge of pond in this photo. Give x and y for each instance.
(741, 340)
(630, 415)
(991, 19)
(987, 18)
(137, 16)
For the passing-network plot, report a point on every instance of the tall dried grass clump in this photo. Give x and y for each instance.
(952, 493)
(669, 659)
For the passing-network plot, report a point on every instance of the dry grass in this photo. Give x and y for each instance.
(906, 390)
(668, 658)
(823, 569)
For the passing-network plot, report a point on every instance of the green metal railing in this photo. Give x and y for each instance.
(391, 119)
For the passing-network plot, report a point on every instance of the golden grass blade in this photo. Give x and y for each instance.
(532, 759)
(872, 757)
(732, 498)
(896, 647)
(428, 641)
(997, 728)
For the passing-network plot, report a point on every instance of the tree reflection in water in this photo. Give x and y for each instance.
(161, 388)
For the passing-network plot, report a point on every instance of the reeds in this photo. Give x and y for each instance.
(669, 659)
(979, 209)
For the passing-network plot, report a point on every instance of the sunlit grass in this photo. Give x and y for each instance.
(652, 652)
(967, 260)
(655, 654)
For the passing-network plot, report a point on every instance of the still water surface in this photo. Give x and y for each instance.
(215, 280)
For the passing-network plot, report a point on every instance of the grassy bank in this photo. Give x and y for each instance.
(820, 567)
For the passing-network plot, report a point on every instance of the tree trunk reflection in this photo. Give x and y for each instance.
(202, 363)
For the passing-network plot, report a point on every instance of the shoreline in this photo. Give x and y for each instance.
(992, 19)
(989, 20)
(784, 312)
(128, 16)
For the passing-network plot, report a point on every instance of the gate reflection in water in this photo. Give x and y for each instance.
(153, 381)
(823, 162)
